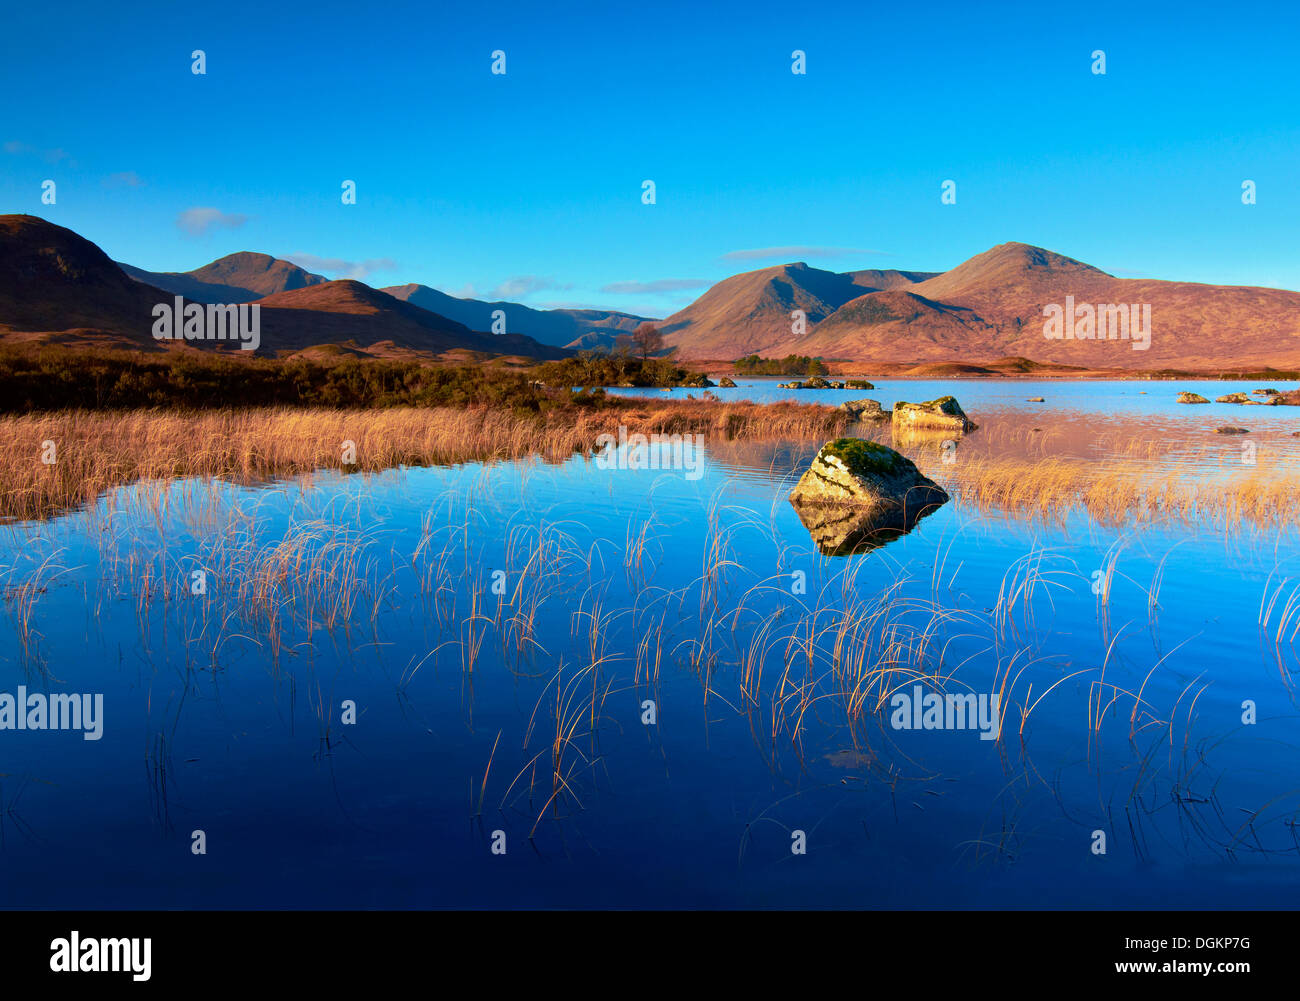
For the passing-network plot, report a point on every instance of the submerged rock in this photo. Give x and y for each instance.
(865, 410)
(1229, 429)
(943, 414)
(857, 495)
(726, 383)
(1191, 398)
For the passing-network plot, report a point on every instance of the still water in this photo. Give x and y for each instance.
(651, 691)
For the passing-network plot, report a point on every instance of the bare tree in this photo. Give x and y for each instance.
(648, 339)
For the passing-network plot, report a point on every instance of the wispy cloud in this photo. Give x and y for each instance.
(16, 148)
(524, 285)
(797, 253)
(518, 287)
(198, 221)
(661, 285)
(571, 304)
(356, 270)
(124, 179)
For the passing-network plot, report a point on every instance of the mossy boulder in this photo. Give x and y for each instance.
(857, 384)
(697, 381)
(1191, 398)
(726, 383)
(856, 495)
(1232, 398)
(864, 410)
(943, 414)
(816, 382)
(1266, 392)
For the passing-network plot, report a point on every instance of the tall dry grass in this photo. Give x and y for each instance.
(96, 451)
(1118, 495)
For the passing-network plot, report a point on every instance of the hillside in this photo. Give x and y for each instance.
(992, 306)
(560, 327)
(235, 278)
(353, 313)
(750, 312)
(56, 285)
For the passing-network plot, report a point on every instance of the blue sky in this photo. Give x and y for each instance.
(529, 183)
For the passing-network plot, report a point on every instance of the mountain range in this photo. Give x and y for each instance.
(55, 285)
(248, 277)
(989, 307)
(562, 327)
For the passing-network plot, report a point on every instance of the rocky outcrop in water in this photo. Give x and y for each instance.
(865, 410)
(1229, 429)
(857, 495)
(1272, 398)
(943, 414)
(817, 382)
(726, 383)
(1191, 398)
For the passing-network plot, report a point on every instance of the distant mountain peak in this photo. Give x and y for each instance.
(560, 327)
(244, 276)
(1024, 256)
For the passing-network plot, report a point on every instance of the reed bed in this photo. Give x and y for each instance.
(94, 451)
(1123, 494)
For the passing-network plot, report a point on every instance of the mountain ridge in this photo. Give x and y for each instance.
(245, 276)
(560, 327)
(57, 286)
